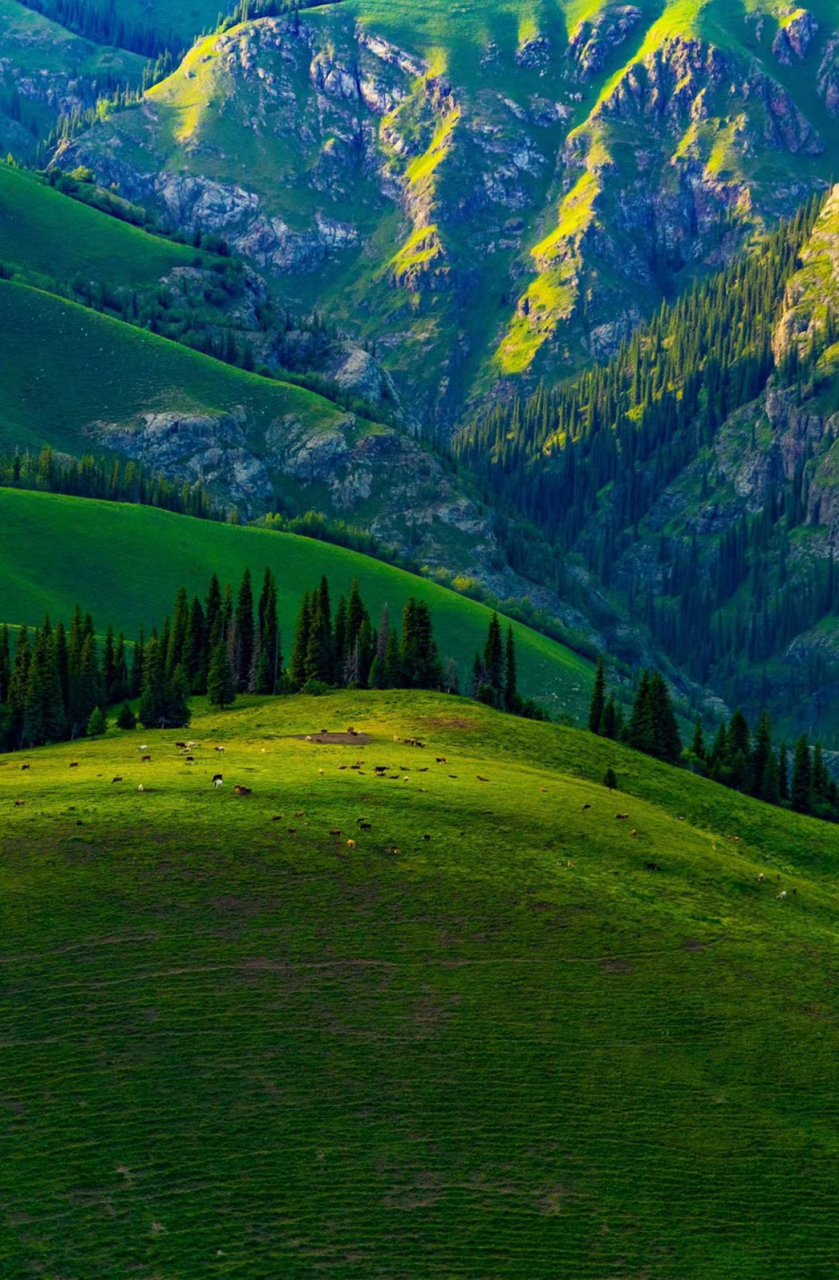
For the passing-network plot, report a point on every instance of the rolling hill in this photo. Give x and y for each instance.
(125, 564)
(485, 1041)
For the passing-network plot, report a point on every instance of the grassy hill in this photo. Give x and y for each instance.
(50, 238)
(125, 563)
(506, 1050)
(67, 367)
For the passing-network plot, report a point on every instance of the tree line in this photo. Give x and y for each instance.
(56, 682)
(739, 758)
(109, 480)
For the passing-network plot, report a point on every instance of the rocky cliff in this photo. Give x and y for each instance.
(494, 211)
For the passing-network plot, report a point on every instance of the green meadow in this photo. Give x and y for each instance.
(125, 563)
(484, 1040)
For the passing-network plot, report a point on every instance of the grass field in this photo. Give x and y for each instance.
(127, 562)
(228, 1050)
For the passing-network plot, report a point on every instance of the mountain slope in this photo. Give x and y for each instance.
(510, 1052)
(485, 194)
(125, 563)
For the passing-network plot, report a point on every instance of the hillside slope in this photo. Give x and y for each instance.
(486, 1041)
(125, 564)
(485, 194)
(79, 380)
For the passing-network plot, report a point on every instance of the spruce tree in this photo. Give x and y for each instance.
(641, 730)
(319, 657)
(697, 745)
(494, 659)
(339, 644)
(270, 665)
(196, 661)
(667, 742)
(120, 685)
(221, 678)
(300, 646)
(393, 678)
(761, 755)
(108, 664)
(783, 773)
(213, 612)
(598, 698)
(137, 664)
(97, 724)
(245, 633)
(802, 779)
(356, 615)
(126, 718)
(178, 651)
(152, 693)
(511, 692)
(609, 723)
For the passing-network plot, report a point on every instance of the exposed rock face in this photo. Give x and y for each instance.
(796, 33)
(828, 77)
(593, 41)
(350, 170)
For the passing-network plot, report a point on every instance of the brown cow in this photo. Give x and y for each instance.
(144, 759)
(117, 779)
(242, 791)
(74, 764)
(26, 766)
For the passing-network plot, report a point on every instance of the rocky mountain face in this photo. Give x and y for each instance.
(475, 223)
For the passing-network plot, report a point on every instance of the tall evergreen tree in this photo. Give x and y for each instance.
(761, 754)
(598, 698)
(245, 633)
(270, 666)
(802, 778)
(494, 658)
(221, 678)
(511, 690)
(300, 646)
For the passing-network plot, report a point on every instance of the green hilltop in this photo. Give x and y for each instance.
(125, 563)
(482, 1039)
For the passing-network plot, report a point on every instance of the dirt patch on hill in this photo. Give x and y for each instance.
(335, 739)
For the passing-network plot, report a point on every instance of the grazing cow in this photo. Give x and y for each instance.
(218, 748)
(26, 766)
(239, 790)
(622, 817)
(761, 878)
(365, 826)
(782, 894)
(299, 814)
(586, 806)
(141, 787)
(189, 759)
(193, 744)
(380, 768)
(426, 837)
(19, 804)
(441, 760)
(292, 831)
(116, 779)
(480, 779)
(144, 747)
(278, 817)
(351, 731)
(341, 767)
(145, 759)
(406, 778)
(423, 770)
(336, 832)
(350, 844)
(218, 780)
(309, 738)
(320, 773)
(182, 745)
(74, 764)
(633, 832)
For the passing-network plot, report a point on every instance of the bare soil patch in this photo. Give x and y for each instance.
(335, 739)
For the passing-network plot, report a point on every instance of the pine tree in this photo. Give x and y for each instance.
(300, 647)
(609, 723)
(641, 730)
(152, 693)
(108, 663)
(270, 665)
(598, 698)
(119, 687)
(761, 755)
(126, 718)
(195, 663)
(245, 633)
(511, 692)
(667, 742)
(319, 657)
(697, 746)
(783, 773)
(86, 689)
(770, 790)
(97, 724)
(494, 659)
(178, 650)
(137, 664)
(213, 613)
(221, 678)
(339, 644)
(802, 780)
(356, 615)
(393, 678)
